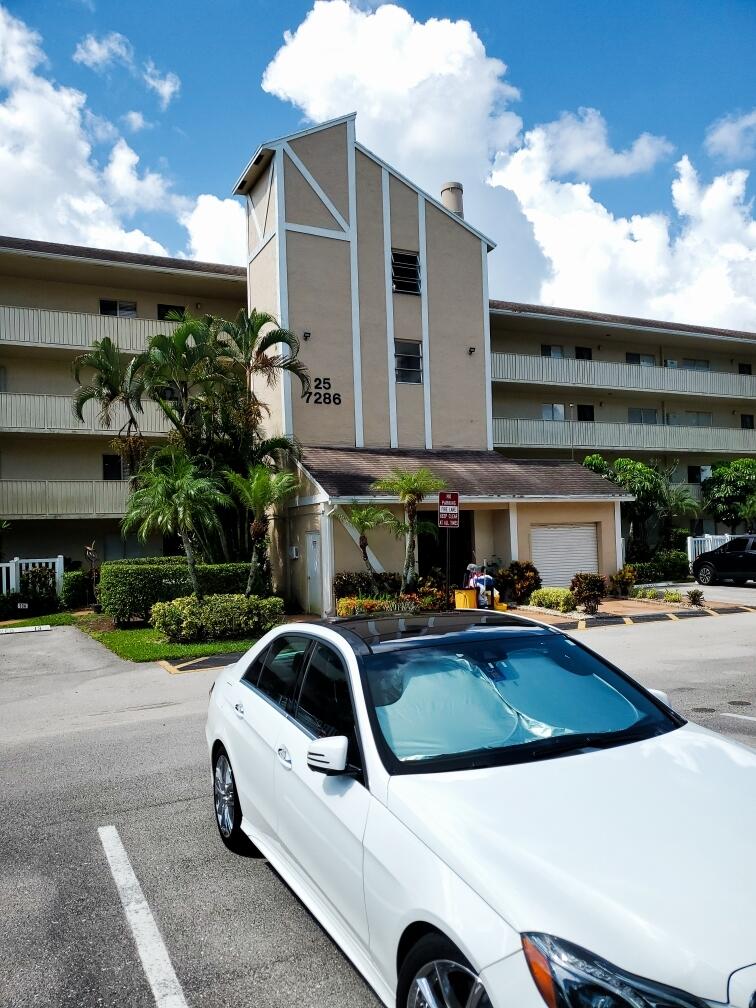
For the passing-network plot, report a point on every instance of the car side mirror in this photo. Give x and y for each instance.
(661, 695)
(328, 755)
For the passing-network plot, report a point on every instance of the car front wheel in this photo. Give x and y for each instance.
(228, 814)
(435, 974)
(706, 574)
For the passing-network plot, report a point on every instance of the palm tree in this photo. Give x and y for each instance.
(259, 491)
(174, 498)
(411, 487)
(115, 380)
(261, 355)
(364, 519)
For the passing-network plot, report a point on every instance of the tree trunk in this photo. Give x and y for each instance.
(409, 577)
(191, 569)
(224, 542)
(259, 581)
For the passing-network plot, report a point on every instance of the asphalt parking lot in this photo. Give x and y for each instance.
(89, 741)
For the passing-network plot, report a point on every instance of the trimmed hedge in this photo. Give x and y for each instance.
(130, 589)
(666, 565)
(216, 617)
(560, 599)
(356, 583)
(75, 591)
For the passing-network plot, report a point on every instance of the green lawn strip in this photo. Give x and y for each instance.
(53, 619)
(145, 645)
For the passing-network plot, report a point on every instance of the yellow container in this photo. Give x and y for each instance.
(465, 598)
(501, 607)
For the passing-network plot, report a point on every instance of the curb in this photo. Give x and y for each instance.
(653, 617)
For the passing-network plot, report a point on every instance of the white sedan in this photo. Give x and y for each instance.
(483, 813)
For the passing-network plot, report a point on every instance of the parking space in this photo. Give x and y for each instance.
(90, 741)
(744, 595)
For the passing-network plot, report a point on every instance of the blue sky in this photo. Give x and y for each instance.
(667, 69)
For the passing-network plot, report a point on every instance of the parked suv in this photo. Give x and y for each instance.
(734, 561)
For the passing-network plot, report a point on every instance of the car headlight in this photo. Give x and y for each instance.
(569, 977)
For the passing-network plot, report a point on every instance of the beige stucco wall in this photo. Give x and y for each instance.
(455, 323)
(52, 458)
(303, 205)
(404, 216)
(325, 155)
(261, 203)
(583, 513)
(389, 551)
(262, 294)
(30, 372)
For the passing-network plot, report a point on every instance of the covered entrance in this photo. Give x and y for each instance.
(431, 550)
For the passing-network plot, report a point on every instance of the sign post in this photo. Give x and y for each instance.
(448, 518)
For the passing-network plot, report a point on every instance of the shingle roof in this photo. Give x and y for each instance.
(576, 315)
(351, 472)
(114, 256)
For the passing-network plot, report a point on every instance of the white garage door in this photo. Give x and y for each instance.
(560, 551)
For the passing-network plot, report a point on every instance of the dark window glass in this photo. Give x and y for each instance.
(281, 669)
(164, 309)
(744, 369)
(108, 307)
(647, 360)
(111, 467)
(123, 309)
(585, 413)
(253, 672)
(405, 272)
(694, 474)
(551, 350)
(638, 415)
(408, 360)
(746, 421)
(583, 353)
(735, 545)
(325, 706)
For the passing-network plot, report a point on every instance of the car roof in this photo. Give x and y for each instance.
(386, 632)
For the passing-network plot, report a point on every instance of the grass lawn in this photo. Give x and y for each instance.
(145, 644)
(54, 619)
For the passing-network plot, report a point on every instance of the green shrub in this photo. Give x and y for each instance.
(622, 581)
(560, 599)
(678, 539)
(695, 597)
(129, 589)
(588, 590)
(672, 596)
(356, 583)
(645, 593)
(517, 582)
(425, 599)
(673, 564)
(75, 591)
(646, 571)
(216, 617)
(139, 561)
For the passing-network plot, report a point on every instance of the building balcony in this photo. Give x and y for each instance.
(529, 369)
(22, 498)
(568, 434)
(53, 414)
(35, 327)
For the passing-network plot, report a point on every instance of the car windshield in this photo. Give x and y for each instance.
(515, 697)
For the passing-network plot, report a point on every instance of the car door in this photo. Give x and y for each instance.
(322, 819)
(734, 558)
(263, 698)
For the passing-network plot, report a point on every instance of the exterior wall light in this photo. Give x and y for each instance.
(306, 335)
(471, 350)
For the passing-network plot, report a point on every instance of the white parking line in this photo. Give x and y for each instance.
(740, 717)
(151, 948)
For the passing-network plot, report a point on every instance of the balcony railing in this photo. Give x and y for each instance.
(511, 433)
(530, 369)
(22, 498)
(74, 330)
(52, 414)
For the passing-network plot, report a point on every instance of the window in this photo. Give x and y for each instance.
(645, 359)
(281, 669)
(745, 369)
(405, 272)
(736, 545)
(549, 350)
(585, 413)
(552, 411)
(583, 353)
(324, 707)
(3, 379)
(693, 364)
(694, 474)
(697, 418)
(112, 467)
(408, 359)
(636, 414)
(123, 309)
(163, 310)
(746, 421)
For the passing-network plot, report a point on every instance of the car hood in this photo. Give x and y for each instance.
(642, 853)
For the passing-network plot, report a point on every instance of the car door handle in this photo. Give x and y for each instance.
(239, 708)
(283, 755)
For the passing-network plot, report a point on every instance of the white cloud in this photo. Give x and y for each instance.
(216, 230)
(733, 137)
(135, 121)
(100, 53)
(165, 87)
(132, 192)
(436, 105)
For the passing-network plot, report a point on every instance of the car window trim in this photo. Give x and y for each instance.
(261, 659)
(256, 689)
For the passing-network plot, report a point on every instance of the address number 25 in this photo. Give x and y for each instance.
(321, 394)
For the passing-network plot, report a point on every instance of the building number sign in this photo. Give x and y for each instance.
(321, 394)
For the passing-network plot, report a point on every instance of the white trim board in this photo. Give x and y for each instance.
(319, 232)
(313, 183)
(260, 246)
(487, 348)
(359, 426)
(391, 352)
(283, 288)
(424, 321)
(355, 537)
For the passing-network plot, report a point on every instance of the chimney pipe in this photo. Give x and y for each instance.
(451, 197)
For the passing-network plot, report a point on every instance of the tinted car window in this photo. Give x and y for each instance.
(252, 674)
(282, 667)
(325, 705)
(735, 545)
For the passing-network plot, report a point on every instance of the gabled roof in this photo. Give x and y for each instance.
(349, 473)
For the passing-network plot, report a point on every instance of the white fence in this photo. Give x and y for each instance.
(11, 571)
(702, 544)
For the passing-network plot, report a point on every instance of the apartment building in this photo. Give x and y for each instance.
(387, 288)
(570, 383)
(61, 483)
